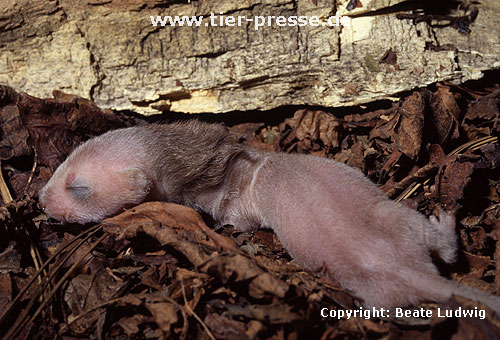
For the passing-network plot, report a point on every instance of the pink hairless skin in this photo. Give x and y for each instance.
(324, 212)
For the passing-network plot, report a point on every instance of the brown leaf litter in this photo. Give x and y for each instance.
(157, 271)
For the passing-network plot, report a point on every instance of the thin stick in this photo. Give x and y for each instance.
(90, 233)
(14, 331)
(32, 173)
(4, 190)
(190, 310)
(472, 145)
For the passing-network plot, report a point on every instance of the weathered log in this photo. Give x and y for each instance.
(109, 51)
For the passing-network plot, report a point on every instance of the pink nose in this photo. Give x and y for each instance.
(50, 207)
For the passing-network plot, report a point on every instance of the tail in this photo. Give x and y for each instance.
(489, 300)
(442, 289)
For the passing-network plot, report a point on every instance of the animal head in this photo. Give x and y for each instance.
(93, 183)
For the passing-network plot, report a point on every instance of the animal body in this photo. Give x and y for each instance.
(324, 212)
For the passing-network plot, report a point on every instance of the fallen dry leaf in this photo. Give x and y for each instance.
(409, 132)
(161, 272)
(451, 182)
(156, 214)
(310, 130)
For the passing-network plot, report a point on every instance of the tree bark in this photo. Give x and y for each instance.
(109, 51)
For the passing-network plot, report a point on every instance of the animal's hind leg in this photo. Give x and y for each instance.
(444, 238)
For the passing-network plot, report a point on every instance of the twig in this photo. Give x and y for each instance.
(13, 332)
(7, 198)
(184, 315)
(32, 173)
(4, 190)
(89, 233)
(472, 145)
(421, 173)
(190, 310)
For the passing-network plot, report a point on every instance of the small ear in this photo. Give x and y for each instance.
(137, 180)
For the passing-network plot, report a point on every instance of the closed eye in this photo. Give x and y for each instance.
(79, 191)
